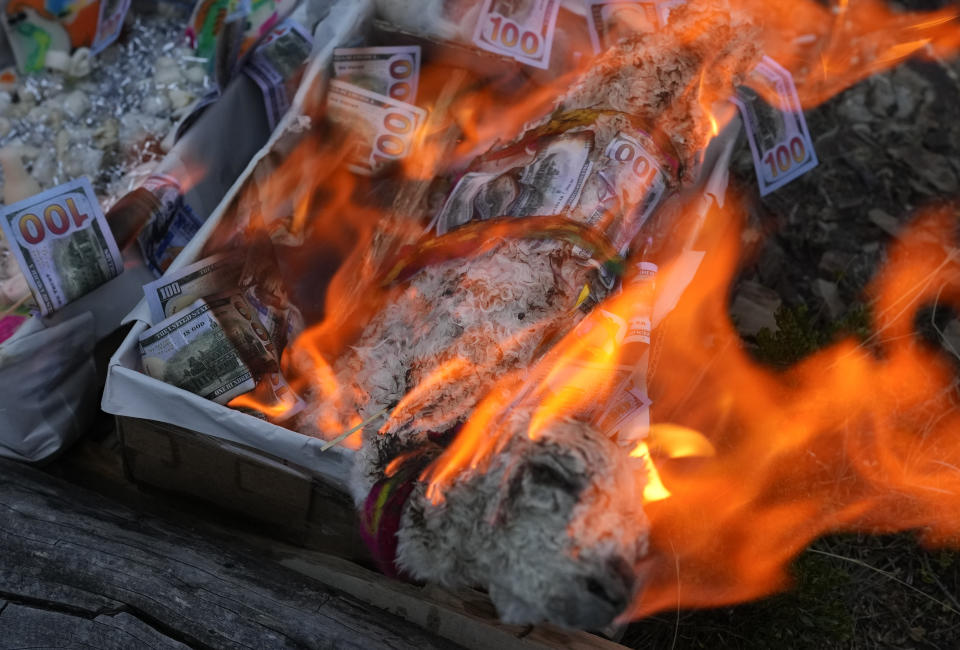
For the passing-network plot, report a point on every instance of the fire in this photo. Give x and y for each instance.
(743, 467)
(856, 437)
(829, 47)
(654, 490)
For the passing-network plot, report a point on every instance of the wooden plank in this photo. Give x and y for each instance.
(466, 617)
(80, 564)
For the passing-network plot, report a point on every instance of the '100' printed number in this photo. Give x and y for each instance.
(56, 220)
(783, 158)
(503, 32)
(391, 143)
(626, 153)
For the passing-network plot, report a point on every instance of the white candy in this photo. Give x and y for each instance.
(167, 76)
(45, 114)
(81, 160)
(62, 143)
(29, 97)
(44, 169)
(134, 127)
(166, 71)
(195, 74)
(73, 65)
(106, 134)
(80, 63)
(155, 104)
(180, 98)
(76, 104)
(17, 183)
(5, 100)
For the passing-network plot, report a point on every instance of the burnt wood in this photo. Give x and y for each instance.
(80, 570)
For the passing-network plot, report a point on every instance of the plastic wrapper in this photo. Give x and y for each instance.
(51, 370)
(209, 16)
(62, 36)
(60, 130)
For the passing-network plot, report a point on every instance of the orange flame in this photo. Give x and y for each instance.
(654, 490)
(854, 437)
(744, 466)
(829, 48)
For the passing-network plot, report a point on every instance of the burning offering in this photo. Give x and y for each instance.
(508, 231)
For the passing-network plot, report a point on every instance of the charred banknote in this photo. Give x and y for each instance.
(176, 291)
(216, 348)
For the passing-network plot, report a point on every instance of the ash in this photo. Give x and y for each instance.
(54, 128)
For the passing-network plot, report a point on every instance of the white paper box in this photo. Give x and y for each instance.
(131, 393)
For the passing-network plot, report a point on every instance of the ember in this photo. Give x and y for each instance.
(538, 410)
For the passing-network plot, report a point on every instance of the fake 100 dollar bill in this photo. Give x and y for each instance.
(175, 291)
(610, 20)
(776, 129)
(385, 127)
(391, 71)
(275, 64)
(520, 29)
(62, 242)
(217, 348)
(212, 348)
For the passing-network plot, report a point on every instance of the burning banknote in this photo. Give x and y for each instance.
(220, 329)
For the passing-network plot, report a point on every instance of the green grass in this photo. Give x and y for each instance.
(799, 334)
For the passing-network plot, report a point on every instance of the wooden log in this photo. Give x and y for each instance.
(464, 617)
(79, 570)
